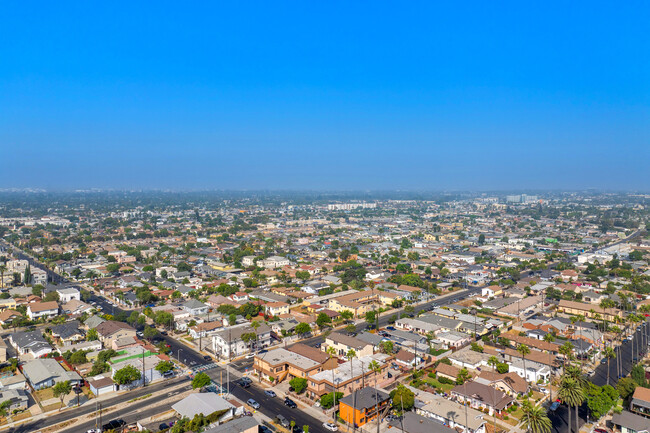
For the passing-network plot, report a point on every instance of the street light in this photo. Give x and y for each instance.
(178, 355)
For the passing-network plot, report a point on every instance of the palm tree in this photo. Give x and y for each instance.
(575, 373)
(494, 361)
(609, 353)
(549, 338)
(461, 378)
(376, 368)
(566, 350)
(3, 269)
(534, 419)
(351, 355)
(564, 393)
(523, 351)
(255, 324)
(605, 304)
(332, 353)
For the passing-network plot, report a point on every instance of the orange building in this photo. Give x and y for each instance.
(362, 406)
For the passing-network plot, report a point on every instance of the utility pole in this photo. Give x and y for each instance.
(144, 377)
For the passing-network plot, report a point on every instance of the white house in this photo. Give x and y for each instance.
(274, 262)
(534, 371)
(228, 343)
(37, 310)
(68, 293)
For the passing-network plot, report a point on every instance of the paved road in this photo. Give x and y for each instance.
(155, 389)
(135, 412)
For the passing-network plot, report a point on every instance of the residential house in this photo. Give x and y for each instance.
(534, 372)
(482, 397)
(205, 403)
(7, 316)
(228, 343)
(342, 344)
(510, 383)
(276, 308)
(66, 294)
(453, 339)
(68, 333)
(43, 373)
(413, 423)
(363, 406)
(17, 399)
(589, 310)
(31, 342)
(111, 330)
(205, 329)
(447, 371)
(195, 308)
(76, 308)
(450, 413)
(279, 364)
(350, 375)
(101, 385)
(46, 310)
(628, 422)
(640, 403)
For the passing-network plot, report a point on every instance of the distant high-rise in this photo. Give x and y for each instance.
(521, 198)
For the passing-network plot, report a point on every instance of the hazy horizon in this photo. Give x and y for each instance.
(343, 97)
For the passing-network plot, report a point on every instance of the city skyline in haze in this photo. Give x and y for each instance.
(298, 96)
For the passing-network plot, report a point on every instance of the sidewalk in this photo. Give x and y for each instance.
(71, 405)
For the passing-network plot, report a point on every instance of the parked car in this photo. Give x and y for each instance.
(290, 403)
(113, 425)
(265, 429)
(252, 403)
(139, 334)
(390, 328)
(270, 393)
(168, 374)
(330, 426)
(207, 357)
(283, 421)
(554, 406)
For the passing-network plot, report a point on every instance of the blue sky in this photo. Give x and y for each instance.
(325, 95)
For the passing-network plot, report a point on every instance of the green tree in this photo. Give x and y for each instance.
(92, 335)
(323, 320)
(127, 375)
(299, 384)
(463, 376)
(347, 315)
(200, 380)
(164, 366)
(303, 329)
(328, 400)
(150, 332)
(626, 387)
(371, 317)
(402, 398)
(60, 390)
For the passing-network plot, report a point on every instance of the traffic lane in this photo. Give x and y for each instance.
(272, 407)
(86, 409)
(559, 418)
(183, 353)
(135, 412)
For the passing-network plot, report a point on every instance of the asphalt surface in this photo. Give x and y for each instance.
(155, 389)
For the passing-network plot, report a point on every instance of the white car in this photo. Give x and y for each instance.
(330, 426)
